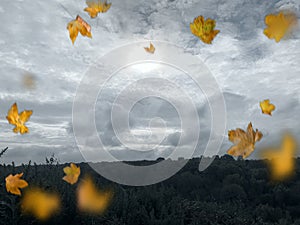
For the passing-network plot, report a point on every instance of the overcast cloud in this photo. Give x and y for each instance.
(246, 64)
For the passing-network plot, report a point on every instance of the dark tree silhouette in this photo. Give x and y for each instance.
(229, 191)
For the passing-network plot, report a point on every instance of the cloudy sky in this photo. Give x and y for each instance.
(246, 64)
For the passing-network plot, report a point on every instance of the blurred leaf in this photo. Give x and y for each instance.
(278, 26)
(90, 199)
(95, 7)
(29, 81)
(40, 204)
(282, 162)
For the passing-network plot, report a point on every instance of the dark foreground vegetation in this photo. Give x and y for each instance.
(229, 192)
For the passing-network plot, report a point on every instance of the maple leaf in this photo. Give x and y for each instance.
(267, 107)
(17, 119)
(90, 199)
(244, 141)
(150, 49)
(39, 203)
(79, 25)
(204, 29)
(14, 183)
(72, 173)
(281, 161)
(278, 26)
(95, 7)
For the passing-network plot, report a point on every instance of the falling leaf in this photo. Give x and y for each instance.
(267, 107)
(17, 119)
(281, 161)
(204, 29)
(244, 141)
(91, 200)
(72, 173)
(79, 25)
(28, 81)
(40, 204)
(13, 183)
(95, 7)
(280, 25)
(150, 49)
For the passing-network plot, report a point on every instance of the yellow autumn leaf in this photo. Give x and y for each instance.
(17, 119)
(280, 25)
(40, 204)
(79, 25)
(97, 6)
(267, 107)
(244, 141)
(72, 173)
(14, 183)
(150, 49)
(91, 200)
(204, 29)
(282, 161)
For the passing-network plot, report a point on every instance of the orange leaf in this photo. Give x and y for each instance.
(282, 162)
(151, 49)
(204, 29)
(280, 25)
(90, 199)
(17, 119)
(267, 107)
(72, 173)
(13, 183)
(244, 141)
(79, 25)
(40, 204)
(95, 7)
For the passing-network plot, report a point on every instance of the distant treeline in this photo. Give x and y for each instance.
(228, 192)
